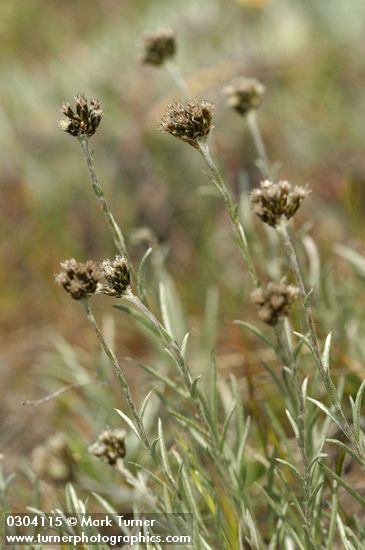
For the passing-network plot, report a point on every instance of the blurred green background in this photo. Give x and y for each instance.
(310, 56)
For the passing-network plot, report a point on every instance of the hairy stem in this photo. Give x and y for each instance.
(232, 210)
(175, 74)
(258, 141)
(119, 373)
(167, 339)
(311, 328)
(99, 193)
(196, 397)
(289, 359)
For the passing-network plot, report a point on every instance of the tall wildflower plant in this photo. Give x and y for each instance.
(240, 496)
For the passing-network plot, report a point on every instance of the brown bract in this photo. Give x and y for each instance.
(244, 94)
(117, 277)
(80, 280)
(158, 46)
(273, 202)
(110, 446)
(274, 301)
(189, 122)
(85, 120)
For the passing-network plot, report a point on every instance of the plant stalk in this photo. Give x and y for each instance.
(311, 328)
(258, 141)
(289, 358)
(175, 74)
(99, 193)
(119, 372)
(232, 210)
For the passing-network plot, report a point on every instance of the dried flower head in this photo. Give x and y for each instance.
(53, 461)
(110, 446)
(274, 301)
(80, 280)
(85, 120)
(244, 94)
(158, 46)
(190, 122)
(273, 202)
(117, 277)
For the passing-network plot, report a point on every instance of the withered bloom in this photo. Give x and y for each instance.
(190, 122)
(244, 94)
(110, 446)
(117, 277)
(85, 120)
(273, 202)
(80, 280)
(274, 301)
(158, 46)
(53, 461)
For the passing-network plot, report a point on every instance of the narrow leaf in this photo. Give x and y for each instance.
(138, 317)
(163, 452)
(141, 274)
(357, 410)
(213, 387)
(256, 331)
(144, 404)
(225, 426)
(128, 421)
(326, 351)
(293, 424)
(326, 410)
(344, 484)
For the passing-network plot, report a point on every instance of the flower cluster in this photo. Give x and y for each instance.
(110, 446)
(190, 122)
(117, 277)
(85, 120)
(80, 280)
(244, 94)
(158, 46)
(274, 301)
(53, 461)
(273, 202)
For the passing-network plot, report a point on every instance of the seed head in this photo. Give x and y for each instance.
(274, 201)
(80, 280)
(274, 301)
(85, 120)
(110, 446)
(190, 122)
(117, 277)
(158, 46)
(244, 94)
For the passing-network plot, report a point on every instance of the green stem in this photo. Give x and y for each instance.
(119, 372)
(289, 358)
(311, 328)
(166, 337)
(258, 141)
(196, 397)
(99, 193)
(175, 74)
(232, 210)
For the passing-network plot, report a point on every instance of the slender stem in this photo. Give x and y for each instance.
(258, 141)
(119, 372)
(167, 339)
(196, 396)
(175, 73)
(289, 358)
(232, 210)
(175, 351)
(99, 193)
(311, 328)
